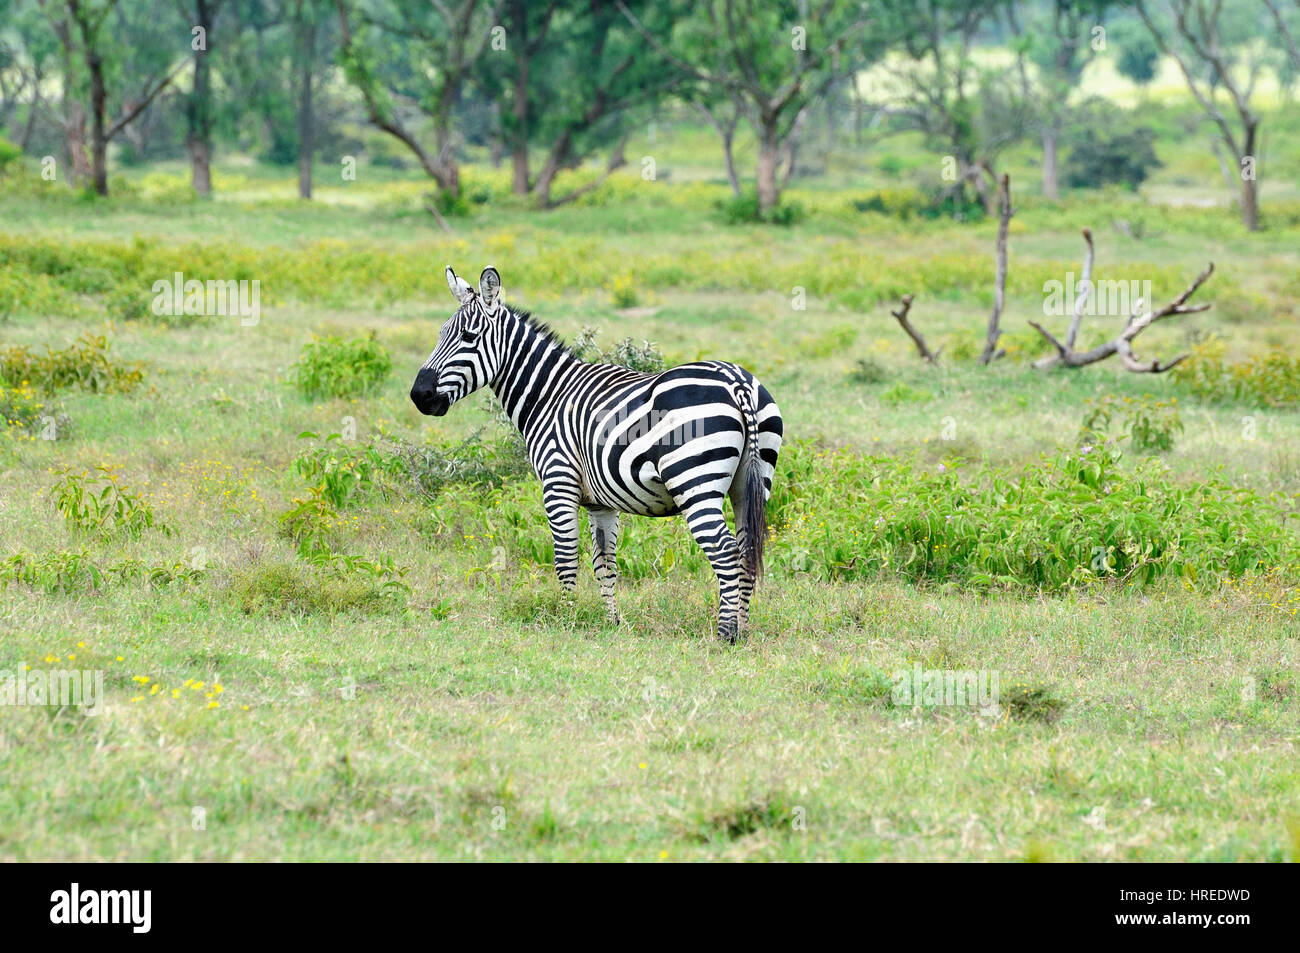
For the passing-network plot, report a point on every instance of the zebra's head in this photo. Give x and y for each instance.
(467, 352)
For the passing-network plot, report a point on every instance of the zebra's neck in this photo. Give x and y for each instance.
(533, 363)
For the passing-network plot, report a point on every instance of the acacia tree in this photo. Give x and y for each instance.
(92, 75)
(1059, 40)
(969, 113)
(410, 57)
(1209, 49)
(28, 53)
(199, 107)
(570, 80)
(772, 60)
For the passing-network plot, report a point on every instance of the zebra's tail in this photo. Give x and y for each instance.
(752, 516)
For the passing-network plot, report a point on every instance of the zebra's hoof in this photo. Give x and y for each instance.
(728, 633)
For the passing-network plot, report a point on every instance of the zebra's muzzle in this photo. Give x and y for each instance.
(425, 396)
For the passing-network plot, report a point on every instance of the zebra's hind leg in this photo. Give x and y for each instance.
(604, 540)
(709, 527)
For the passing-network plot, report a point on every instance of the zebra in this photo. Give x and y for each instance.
(614, 440)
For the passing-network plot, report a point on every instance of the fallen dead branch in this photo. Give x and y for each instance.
(1122, 344)
(921, 347)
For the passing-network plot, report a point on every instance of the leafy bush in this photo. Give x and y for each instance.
(744, 210)
(1147, 423)
(471, 462)
(96, 502)
(329, 585)
(84, 364)
(1070, 518)
(1125, 157)
(335, 367)
(1271, 379)
(342, 473)
(20, 409)
(644, 357)
(623, 290)
(868, 371)
(67, 571)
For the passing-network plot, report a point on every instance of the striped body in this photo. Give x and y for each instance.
(614, 440)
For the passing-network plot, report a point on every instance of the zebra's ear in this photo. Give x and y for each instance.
(489, 285)
(459, 286)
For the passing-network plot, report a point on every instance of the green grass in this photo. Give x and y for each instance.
(484, 713)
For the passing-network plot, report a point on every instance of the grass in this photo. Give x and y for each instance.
(485, 714)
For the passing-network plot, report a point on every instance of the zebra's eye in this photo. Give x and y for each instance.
(469, 337)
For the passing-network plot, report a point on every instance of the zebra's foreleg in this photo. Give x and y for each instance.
(709, 527)
(560, 497)
(604, 540)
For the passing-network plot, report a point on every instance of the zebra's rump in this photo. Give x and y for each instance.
(664, 439)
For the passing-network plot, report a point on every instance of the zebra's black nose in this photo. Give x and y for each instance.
(424, 393)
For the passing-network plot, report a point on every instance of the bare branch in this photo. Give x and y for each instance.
(1085, 290)
(1122, 344)
(991, 349)
(901, 315)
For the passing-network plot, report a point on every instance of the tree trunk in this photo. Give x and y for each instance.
(1250, 184)
(306, 118)
(448, 176)
(1250, 204)
(519, 135)
(198, 135)
(728, 142)
(1051, 182)
(74, 134)
(200, 165)
(98, 134)
(769, 154)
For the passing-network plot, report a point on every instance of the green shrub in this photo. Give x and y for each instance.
(335, 367)
(301, 588)
(744, 210)
(644, 357)
(868, 371)
(1270, 380)
(1070, 518)
(342, 473)
(96, 502)
(1147, 423)
(22, 410)
(84, 364)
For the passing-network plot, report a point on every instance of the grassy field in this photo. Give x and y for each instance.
(261, 706)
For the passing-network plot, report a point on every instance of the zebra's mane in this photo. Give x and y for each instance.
(544, 329)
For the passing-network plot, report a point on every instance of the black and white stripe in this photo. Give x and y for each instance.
(615, 440)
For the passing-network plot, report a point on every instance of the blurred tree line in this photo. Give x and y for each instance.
(552, 85)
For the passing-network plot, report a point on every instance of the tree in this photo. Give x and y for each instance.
(89, 65)
(1202, 43)
(198, 103)
(772, 60)
(1060, 41)
(415, 56)
(969, 113)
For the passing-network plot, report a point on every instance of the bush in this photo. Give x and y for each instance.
(1148, 424)
(334, 367)
(280, 588)
(644, 357)
(744, 210)
(84, 364)
(1119, 158)
(1270, 380)
(96, 502)
(1068, 519)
